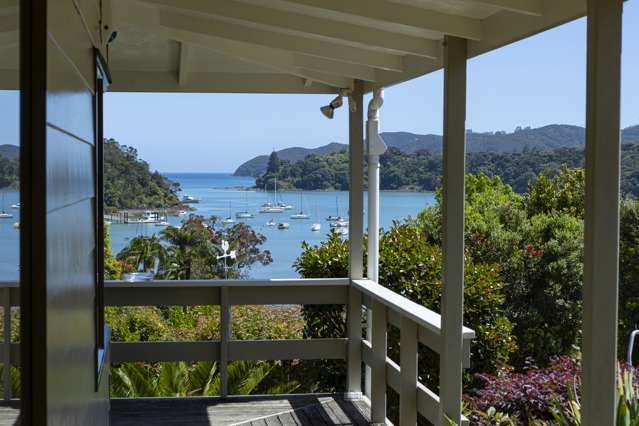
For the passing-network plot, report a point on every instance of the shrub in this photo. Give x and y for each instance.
(527, 396)
(411, 266)
(628, 272)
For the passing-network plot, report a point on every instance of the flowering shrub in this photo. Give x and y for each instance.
(527, 396)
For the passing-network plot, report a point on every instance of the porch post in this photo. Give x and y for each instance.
(601, 233)
(356, 235)
(450, 376)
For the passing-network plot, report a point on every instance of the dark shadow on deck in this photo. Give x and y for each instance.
(303, 410)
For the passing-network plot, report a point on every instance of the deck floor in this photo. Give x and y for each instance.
(293, 410)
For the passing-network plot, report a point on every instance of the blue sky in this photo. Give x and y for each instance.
(535, 82)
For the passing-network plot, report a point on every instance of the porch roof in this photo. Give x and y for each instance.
(306, 46)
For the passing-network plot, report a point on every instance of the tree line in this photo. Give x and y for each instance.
(422, 170)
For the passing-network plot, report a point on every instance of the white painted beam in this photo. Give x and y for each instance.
(454, 151)
(183, 66)
(304, 25)
(203, 82)
(601, 223)
(383, 12)
(356, 237)
(324, 49)
(526, 7)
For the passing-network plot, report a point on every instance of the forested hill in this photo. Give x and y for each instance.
(548, 137)
(129, 182)
(422, 170)
(9, 166)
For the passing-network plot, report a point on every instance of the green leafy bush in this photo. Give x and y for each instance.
(411, 266)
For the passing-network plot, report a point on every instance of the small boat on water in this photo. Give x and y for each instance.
(150, 217)
(229, 220)
(316, 227)
(5, 215)
(181, 212)
(301, 214)
(339, 224)
(282, 225)
(269, 207)
(245, 214)
(15, 206)
(336, 217)
(270, 223)
(16, 225)
(188, 199)
(162, 223)
(340, 231)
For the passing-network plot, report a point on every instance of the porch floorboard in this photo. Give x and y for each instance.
(281, 410)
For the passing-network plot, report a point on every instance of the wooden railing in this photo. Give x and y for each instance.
(416, 323)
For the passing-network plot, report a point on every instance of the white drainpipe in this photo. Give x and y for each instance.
(376, 147)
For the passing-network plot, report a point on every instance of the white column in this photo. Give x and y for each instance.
(601, 243)
(450, 375)
(356, 235)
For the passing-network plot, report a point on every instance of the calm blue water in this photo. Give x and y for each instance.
(220, 194)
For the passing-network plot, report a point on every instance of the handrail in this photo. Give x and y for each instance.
(416, 324)
(405, 307)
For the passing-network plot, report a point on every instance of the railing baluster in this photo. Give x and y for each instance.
(369, 337)
(354, 341)
(378, 373)
(408, 369)
(6, 353)
(225, 337)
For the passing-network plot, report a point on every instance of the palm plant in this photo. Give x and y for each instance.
(627, 402)
(187, 244)
(200, 379)
(143, 251)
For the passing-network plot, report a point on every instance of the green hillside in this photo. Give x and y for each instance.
(422, 170)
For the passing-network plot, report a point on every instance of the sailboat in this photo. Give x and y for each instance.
(229, 220)
(301, 214)
(15, 206)
(337, 217)
(3, 214)
(316, 227)
(245, 214)
(271, 223)
(271, 208)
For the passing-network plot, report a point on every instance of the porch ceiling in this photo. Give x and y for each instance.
(307, 46)
(294, 46)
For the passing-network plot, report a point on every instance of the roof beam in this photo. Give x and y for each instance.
(183, 66)
(189, 24)
(278, 60)
(215, 82)
(304, 25)
(526, 7)
(401, 14)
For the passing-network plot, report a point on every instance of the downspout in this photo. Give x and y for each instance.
(376, 147)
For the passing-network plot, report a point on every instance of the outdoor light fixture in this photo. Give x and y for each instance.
(329, 109)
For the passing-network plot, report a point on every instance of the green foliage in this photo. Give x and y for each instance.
(190, 251)
(544, 274)
(9, 172)
(562, 193)
(628, 272)
(129, 182)
(112, 268)
(273, 166)
(422, 170)
(200, 379)
(411, 266)
(627, 402)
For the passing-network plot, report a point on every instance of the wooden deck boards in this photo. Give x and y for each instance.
(290, 410)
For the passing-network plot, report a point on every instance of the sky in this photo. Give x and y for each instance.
(535, 82)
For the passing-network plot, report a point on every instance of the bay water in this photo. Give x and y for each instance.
(224, 195)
